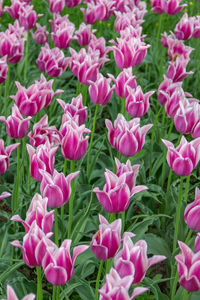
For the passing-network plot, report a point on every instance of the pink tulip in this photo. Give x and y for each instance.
(5, 195)
(192, 212)
(56, 6)
(1, 9)
(73, 145)
(16, 126)
(177, 48)
(75, 108)
(177, 70)
(42, 132)
(184, 28)
(93, 13)
(39, 95)
(166, 89)
(56, 187)
(72, 3)
(100, 90)
(3, 68)
(117, 191)
(37, 212)
(133, 260)
(157, 6)
(12, 296)
(196, 25)
(15, 8)
(127, 137)
(137, 103)
(62, 34)
(105, 243)
(129, 52)
(124, 20)
(165, 38)
(116, 288)
(188, 268)
(123, 81)
(186, 117)
(171, 7)
(41, 159)
(100, 45)
(84, 34)
(41, 35)
(5, 154)
(28, 17)
(172, 104)
(183, 159)
(197, 243)
(57, 263)
(52, 61)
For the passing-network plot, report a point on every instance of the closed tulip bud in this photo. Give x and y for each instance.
(172, 7)
(188, 268)
(105, 243)
(3, 68)
(37, 212)
(123, 81)
(57, 263)
(137, 103)
(133, 260)
(72, 3)
(100, 90)
(16, 126)
(41, 159)
(116, 288)
(192, 212)
(73, 144)
(184, 28)
(127, 137)
(75, 108)
(5, 154)
(12, 296)
(42, 133)
(41, 35)
(56, 6)
(57, 188)
(184, 158)
(52, 61)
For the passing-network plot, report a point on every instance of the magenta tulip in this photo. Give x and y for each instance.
(5, 154)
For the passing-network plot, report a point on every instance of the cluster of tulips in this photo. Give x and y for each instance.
(130, 262)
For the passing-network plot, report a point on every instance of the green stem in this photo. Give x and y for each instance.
(123, 221)
(165, 153)
(71, 200)
(84, 89)
(190, 296)
(26, 57)
(187, 186)
(62, 207)
(39, 283)
(188, 236)
(78, 88)
(185, 295)
(174, 286)
(123, 106)
(91, 139)
(168, 189)
(7, 82)
(152, 139)
(56, 226)
(23, 157)
(178, 212)
(58, 292)
(98, 279)
(1, 90)
(16, 189)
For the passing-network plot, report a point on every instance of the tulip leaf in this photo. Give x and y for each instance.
(157, 245)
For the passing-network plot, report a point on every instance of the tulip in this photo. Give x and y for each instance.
(117, 191)
(72, 3)
(73, 145)
(1, 9)
(177, 48)
(75, 108)
(57, 187)
(100, 45)
(57, 263)
(165, 39)
(123, 81)
(42, 132)
(3, 69)
(52, 61)
(106, 242)
(5, 154)
(183, 159)
(15, 8)
(83, 34)
(196, 25)
(100, 90)
(28, 17)
(4, 195)
(188, 268)
(16, 126)
(56, 6)
(184, 28)
(116, 288)
(132, 260)
(197, 243)
(192, 212)
(37, 212)
(39, 95)
(166, 89)
(124, 20)
(12, 296)
(34, 245)
(127, 137)
(172, 104)
(157, 6)
(41, 35)
(137, 103)
(172, 7)
(41, 159)
(62, 34)
(93, 13)
(186, 117)
(177, 70)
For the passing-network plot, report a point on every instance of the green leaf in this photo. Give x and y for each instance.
(157, 245)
